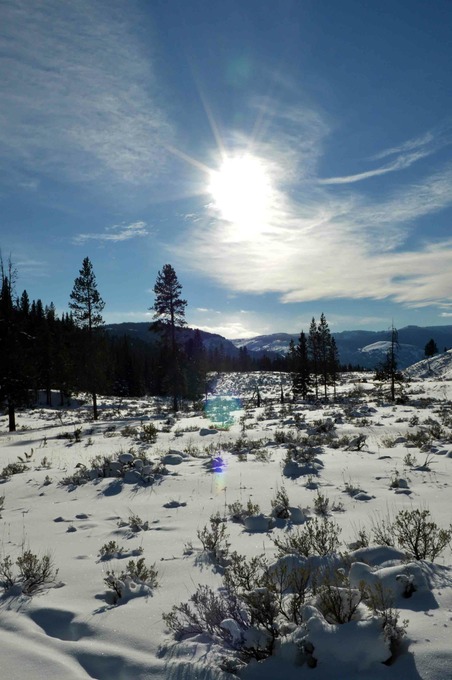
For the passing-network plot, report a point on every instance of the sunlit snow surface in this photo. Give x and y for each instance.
(73, 631)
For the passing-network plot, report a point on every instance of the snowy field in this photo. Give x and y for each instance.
(98, 497)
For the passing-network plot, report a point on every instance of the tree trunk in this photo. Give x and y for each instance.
(95, 412)
(11, 417)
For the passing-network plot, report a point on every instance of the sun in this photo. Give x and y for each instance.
(241, 192)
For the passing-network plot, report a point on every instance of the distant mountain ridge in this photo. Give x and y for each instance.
(364, 348)
(140, 331)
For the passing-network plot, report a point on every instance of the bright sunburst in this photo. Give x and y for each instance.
(241, 191)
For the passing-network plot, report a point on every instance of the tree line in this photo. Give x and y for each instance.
(71, 353)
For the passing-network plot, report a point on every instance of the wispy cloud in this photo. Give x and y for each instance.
(116, 233)
(319, 243)
(79, 99)
(405, 155)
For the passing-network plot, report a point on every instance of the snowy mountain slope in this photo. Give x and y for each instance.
(439, 366)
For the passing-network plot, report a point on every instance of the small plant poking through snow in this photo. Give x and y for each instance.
(136, 579)
(238, 512)
(321, 504)
(135, 523)
(110, 550)
(13, 469)
(280, 504)
(214, 538)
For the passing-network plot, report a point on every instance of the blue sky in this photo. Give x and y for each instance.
(287, 158)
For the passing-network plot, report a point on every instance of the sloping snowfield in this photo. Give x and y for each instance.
(95, 497)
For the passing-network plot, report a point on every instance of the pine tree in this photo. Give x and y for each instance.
(314, 354)
(324, 349)
(387, 370)
(301, 380)
(431, 348)
(333, 364)
(195, 365)
(169, 314)
(14, 348)
(87, 306)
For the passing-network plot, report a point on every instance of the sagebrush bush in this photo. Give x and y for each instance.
(316, 537)
(214, 538)
(337, 600)
(13, 469)
(33, 572)
(238, 512)
(148, 433)
(259, 603)
(381, 601)
(419, 536)
(247, 611)
(413, 531)
(280, 504)
(321, 504)
(136, 573)
(110, 550)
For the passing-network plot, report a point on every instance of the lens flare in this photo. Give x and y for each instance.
(221, 410)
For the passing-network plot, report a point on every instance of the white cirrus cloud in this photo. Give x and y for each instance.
(406, 154)
(79, 96)
(116, 233)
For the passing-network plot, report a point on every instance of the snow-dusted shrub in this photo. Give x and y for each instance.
(414, 532)
(129, 431)
(316, 537)
(421, 439)
(419, 536)
(75, 436)
(135, 523)
(250, 611)
(148, 433)
(337, 600)
(33, 572)
(280, 504)
(381, 601)
(13, 469)
(214, 538)
(295, 603)
(238, 512)
(136, 579)
(110, 550)
(321, 504)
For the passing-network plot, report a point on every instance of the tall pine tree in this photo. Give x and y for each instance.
(87, 305)
(301, 373)
(169, 314)
(14, 348)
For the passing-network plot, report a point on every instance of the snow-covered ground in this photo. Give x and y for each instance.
(201, 464)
